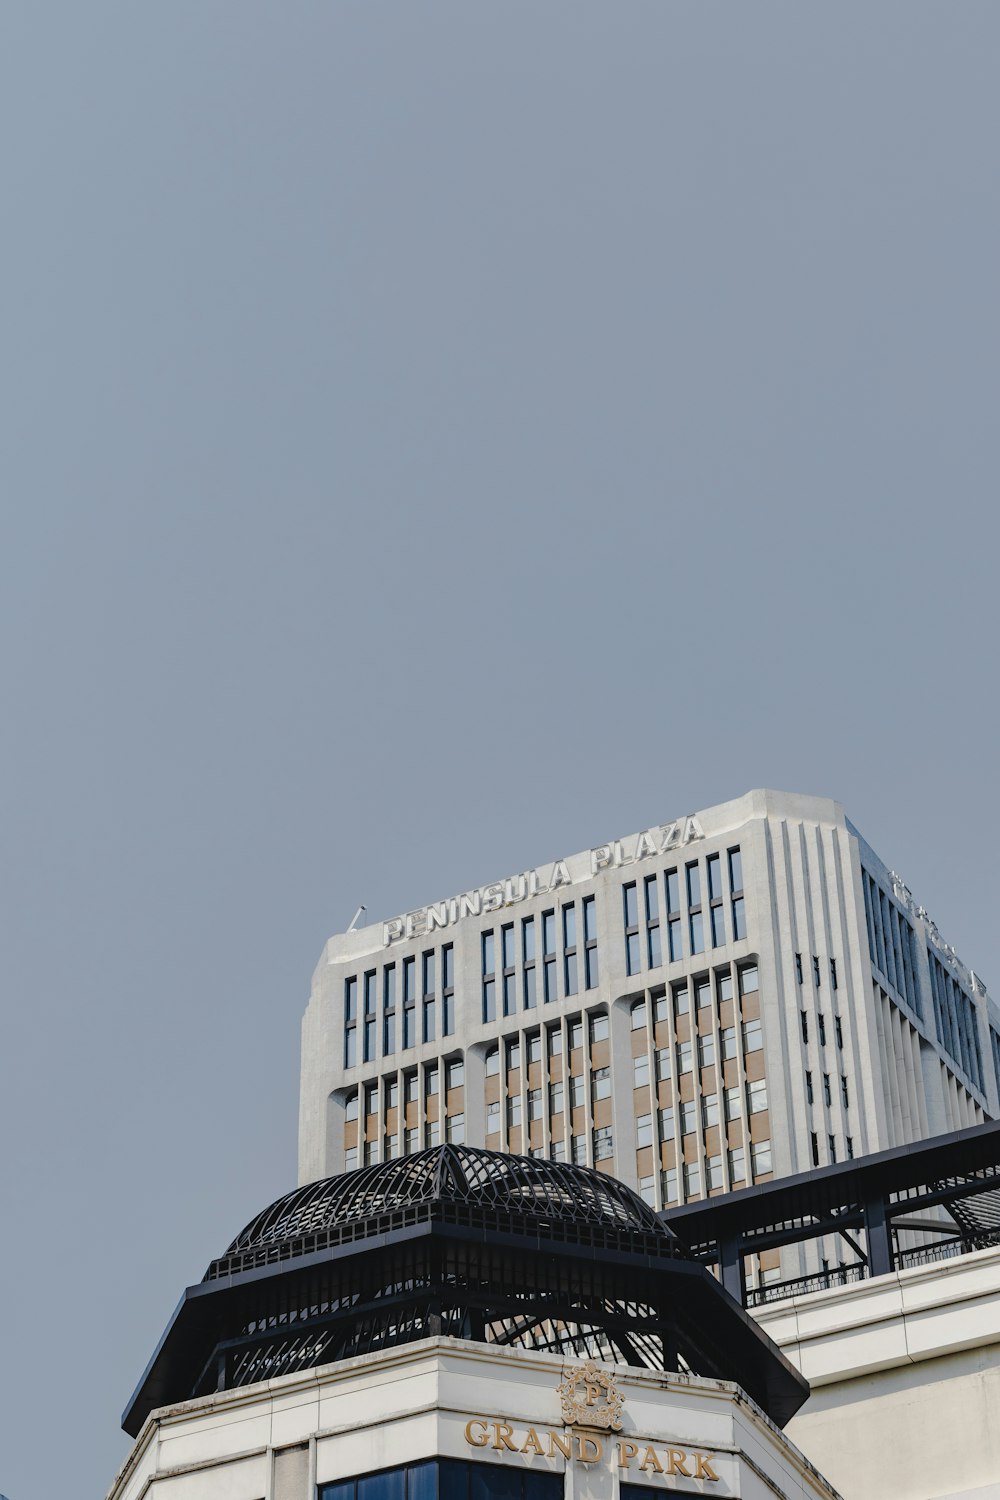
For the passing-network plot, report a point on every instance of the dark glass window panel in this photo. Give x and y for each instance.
(389, 987)
(389, 1032)
(697, 933)
(550, 979)
(388, 1486)
(569, 926)
(489, 957)
(409, 979)
(631, 906)
(632, 953)
(448, 957)
(350, 999)
(429, 1019)
(422, 1481)
(489, 1000)
(654, 947)
(448, 1015)
(351, 1048)
(369, 1040)
(342, 1490)
(675, 943)
(718, 927)
(494, 1482)
(673, 891)
(652, 904)
(370, 994)
(538, 1486)
(590, 919)
(693, 886)
(714, 866)
(735, 870)
(530, 999)
(409, 1028)
(507, 946)
(548, 932)
(428, 973)
(571, 984)
(509, 995)
(592, 974)
(528, 939)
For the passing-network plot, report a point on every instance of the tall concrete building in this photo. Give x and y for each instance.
(739, 993)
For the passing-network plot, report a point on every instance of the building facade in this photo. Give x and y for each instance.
(743, 992)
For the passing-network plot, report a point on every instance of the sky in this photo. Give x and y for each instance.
(436, 438)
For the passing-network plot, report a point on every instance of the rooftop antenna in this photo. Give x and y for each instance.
(354, 920)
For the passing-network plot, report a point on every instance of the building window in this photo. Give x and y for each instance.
(826, 1089)
(760, 1158)
(702, 994)
(579, 1148)
(682, 1000)
(821, 1029)
(644, 1131)
(555, 1041)
(431, 1081)
(709, 1110)
(804, 1026)
(410, 1088)
(706, 1051)
(455, 1125)
(631, 913)
(430, 1005)
(809, 1088)
(652, 910)
(455, 1073)
(831, 1141)
(737, 1165)
(748, 979)
(739, 920)
(849, 1143)
(493, 1062)
(448, 990)
(638, 1016)
(838, 1032)
(446, 1479)
(843, 1092)
(555, 1098)
(409, 1003)
(549, 955)
(601, 1083)
(814, 1141)
(488, 945)
(590, 942)
(684, 1062)
(598, 1028)
(528, 960)
(665, 1123)
(557, 1151)
(798, 967)
(513, 1055)
(753, 1040)
(351, 1106)
(728, 1037)
(662, 1064)
(576, 1091)
(692, 1180)
(507, 961)
(640, 1071)
(350, 1021)
(647, 1190)
(816, 978)
(575, 1034)
(833, 973)
(757, 1096)
(689, 1116)
(569, 949)
(675, 947)
(351, 1159)
(713, 1174)
(734, 1102)
(736, 872)
(432, 1133)
(713, 866)
(668, 1184)
(534, 1104)
(534, 1044)
(370, 1006)
(389, 1009)
(603, 1147)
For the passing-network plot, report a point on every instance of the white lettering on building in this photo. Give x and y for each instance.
(619, 854)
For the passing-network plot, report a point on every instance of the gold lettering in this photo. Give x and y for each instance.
(583, 1442)
(704, 1469)
(560, 1441)
(650, 1461)
(503, 1432)
(477, 1442)
(626, 1453)
(593, 1391)
(533, 1442)
(675, 1462)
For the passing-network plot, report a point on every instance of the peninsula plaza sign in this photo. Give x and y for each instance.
(590, 1399)
(528, 883)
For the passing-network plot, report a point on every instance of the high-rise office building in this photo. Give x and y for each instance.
(739, 993)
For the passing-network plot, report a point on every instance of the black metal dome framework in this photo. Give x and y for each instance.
(506, 1250)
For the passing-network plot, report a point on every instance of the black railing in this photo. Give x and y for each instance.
(821, 1281)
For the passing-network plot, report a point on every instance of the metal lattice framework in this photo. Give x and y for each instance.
(504, 1250)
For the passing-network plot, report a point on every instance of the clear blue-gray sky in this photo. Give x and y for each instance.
(436, 437)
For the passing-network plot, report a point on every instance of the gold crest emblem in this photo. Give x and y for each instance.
(590, 1398)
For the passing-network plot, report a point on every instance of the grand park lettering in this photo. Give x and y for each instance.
(588, 1448)
(528, 883)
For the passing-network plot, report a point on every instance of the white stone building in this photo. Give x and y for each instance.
(741, 992)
